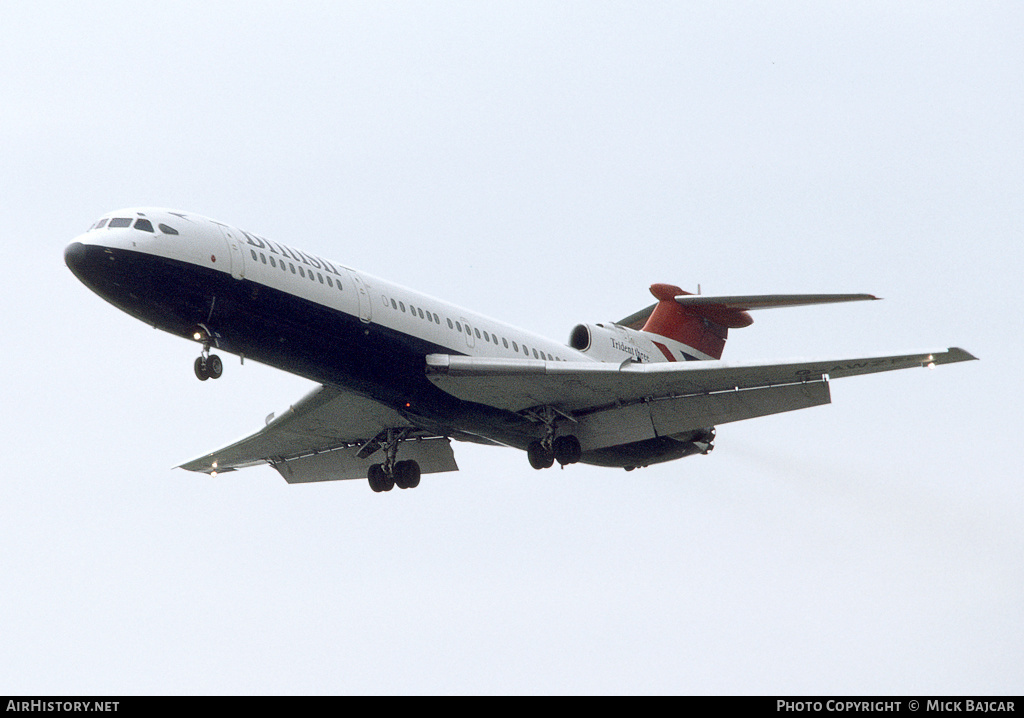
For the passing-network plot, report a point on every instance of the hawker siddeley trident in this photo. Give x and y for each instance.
(401, 373)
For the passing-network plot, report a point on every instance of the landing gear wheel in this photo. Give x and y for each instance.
(567, 450)
(214, 366)
(407, 474)
(200, 367)
(379, 480)
(540, 456)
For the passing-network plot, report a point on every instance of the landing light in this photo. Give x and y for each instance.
(197, 335)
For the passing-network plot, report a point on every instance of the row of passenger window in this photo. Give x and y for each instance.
(141, 224)
(397, 305)
(471, 331)
(304, 273)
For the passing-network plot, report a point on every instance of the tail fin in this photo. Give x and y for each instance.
(702, 330)
(703, 323)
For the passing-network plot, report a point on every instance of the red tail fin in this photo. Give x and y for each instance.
(702, 328)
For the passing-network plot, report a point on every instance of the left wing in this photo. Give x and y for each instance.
(329, 434)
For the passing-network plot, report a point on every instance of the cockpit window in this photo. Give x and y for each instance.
(120, 222)
(144, 224)
(167, 230)
(99, 224)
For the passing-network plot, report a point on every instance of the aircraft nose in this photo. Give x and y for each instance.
(74, 256)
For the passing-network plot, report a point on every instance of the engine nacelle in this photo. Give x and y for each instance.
(612, 343)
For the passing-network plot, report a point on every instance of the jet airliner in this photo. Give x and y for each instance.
(401, 374)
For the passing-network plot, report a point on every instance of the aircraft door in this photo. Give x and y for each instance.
(468, 333)
(235, 251)
(365, 309)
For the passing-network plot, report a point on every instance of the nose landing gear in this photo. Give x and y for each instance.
(207, 365)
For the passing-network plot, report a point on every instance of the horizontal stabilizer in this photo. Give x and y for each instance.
(768, 301)
(727, 310)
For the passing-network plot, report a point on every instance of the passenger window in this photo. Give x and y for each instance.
(535, 354)
(167, 230)
(420, 312)
(331, 284)
(292, 266)
(144, 224)
(263, 257)
(253, 253)
(320, 277)
(402, 306)
(394, 305)
(458, 327)
(302, 272)
(272, 262)
(450, 323)
(505, 342)
(515, 346)
(477, 332)
(120, 222)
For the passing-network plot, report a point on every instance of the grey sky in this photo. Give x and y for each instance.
(543, 163)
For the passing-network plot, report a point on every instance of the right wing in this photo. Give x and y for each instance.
(329, 434)
(518, 384)
(614, 404)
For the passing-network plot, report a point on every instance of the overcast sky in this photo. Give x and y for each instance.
(544, 163)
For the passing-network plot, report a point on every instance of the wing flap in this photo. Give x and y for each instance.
(433, 454)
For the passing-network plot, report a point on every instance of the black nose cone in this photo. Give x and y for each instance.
(74, 257)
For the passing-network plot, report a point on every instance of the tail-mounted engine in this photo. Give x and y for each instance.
(616, 343)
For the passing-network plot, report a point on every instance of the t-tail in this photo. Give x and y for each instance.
(684, 326)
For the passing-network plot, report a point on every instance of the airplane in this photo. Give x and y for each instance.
(401, 374)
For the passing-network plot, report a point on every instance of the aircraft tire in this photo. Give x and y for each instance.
(407, 474)
(567, 450)
(375, 476)
(200, 368)
(540, 458)
(214, 366)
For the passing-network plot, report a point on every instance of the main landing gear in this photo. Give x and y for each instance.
(543, 453)
(391, 473)
(207, 365)
(564, 449)
(403, 474)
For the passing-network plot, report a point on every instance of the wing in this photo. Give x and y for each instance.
(629, 402)
(328, 435)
